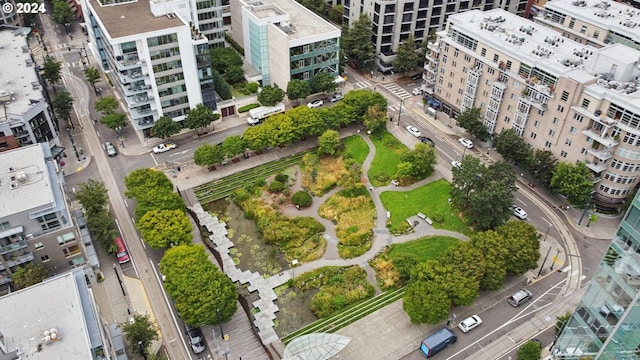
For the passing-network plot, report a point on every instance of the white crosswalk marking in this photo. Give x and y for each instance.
(394, 107)
(398, 91)
(361, 85)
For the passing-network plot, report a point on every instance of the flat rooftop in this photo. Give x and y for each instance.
(303, 23)
(131, 18)
(20, 84)
(24, 181)
(615, 16)
(52, 304)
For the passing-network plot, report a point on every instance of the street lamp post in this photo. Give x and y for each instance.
(586, 207)
(400, 112)
(220, 323)
(544, 261)
(548, 229)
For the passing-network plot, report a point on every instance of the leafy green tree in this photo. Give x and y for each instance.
(523, 245)
(257, 137)
(465, 182)
(141, 329)
(470, 120)
(492, 245)
(93, 196)
(165, 228)
(405, 170)
(207, 155)
(301, 198)
(511, 146)
(107, 105)
(404, 264)
(408, 57)
(233, 145)
(574, 182)
(561, 322)
(329, 142)
(298, 89)
(424, 158)
(270, 95)
(115, 121)
(530, 351)
(309, 121)
(426, 302)
(63, 104)
(29, 275)
(323, 82)
(92, 75)
(102, 228)
(224, 57)
(281, 130)
(467, 259)
(141, 180)
(317, 6)
(375, 119)
(197, 286)
(359, 101)
(234, 74)
(541, 165)
(165, 127)
(200, 117)
(222, 87)
(52, 70)
(356, 40)
(62, 13)
(156, 199)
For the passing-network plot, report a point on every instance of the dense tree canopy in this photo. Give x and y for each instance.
(375, 119)
(491, 245)
(106, 105)
(62, 13)
(323, 82)
(164, 228)
(165, 128)
(530, 351)
(207, 155)
(574, 182)
(329, 142)
(141, 329)
(196, 285)
(92, 75)
(356, 40)
(470, 120)
(63, 104)
(522, 244)
(115, 121)
(141, 180)
(29, 275)
(157, 199)
(298, 89)
(200, 117)
(233, 145)
(224, 57)
(93, 196)
(541, 165)
(51, 68)
(270, 95)
(407, 57)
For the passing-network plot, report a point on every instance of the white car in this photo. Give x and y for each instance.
(469, 323)
(315, 104)
(466, 143)
(337, 97)
(519, 213)
(414, 131)
(456, 163)
(165, 146)
(417, 91)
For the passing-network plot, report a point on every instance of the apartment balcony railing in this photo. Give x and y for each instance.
(20, 260)
(600, 154)
(13, 247)
(602, 138)
(132, 90)
(434, 46)
(597, 167)
(4, 279)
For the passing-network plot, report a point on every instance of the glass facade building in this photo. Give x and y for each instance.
(606, 323)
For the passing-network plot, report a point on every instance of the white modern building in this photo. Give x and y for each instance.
(35, 221)
(394, 21)
(156, 59)
(283, 40)
(55, 319)
(25, 116)
(11, 17)
(577, 101)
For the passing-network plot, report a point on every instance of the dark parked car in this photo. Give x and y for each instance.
(427, 140)
(416, 76)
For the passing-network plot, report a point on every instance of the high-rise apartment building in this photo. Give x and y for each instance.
(25, 117)
(9, 17)
(606, 322)
(394, 21)
(577, 101)
(283, 40)
(156, 59)
(592, 22)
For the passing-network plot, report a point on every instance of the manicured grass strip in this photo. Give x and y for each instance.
(224, 187)
(348, 315)
(430, 199)
(388, 153)
(356, 148)
(426, 248)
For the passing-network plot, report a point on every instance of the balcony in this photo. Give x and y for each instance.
(133, 90)
(388, 58)
(144, 124)
(15, 261)
(601, 136)
(434, 46)
(124, 64)
(4, 279)
(13, 247)
(139, 100)
(430, 68)
(596, 167)
(431, 58)
(600, 154)
(138, 113)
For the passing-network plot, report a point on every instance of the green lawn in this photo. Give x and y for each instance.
(388, 153)
(357, 148)
(426, 248)
(430, 199)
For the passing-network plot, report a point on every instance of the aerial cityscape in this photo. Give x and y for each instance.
(281, 179)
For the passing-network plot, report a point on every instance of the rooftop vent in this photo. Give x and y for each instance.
(11, 169)
(580, 3)
(14, 185)
(22, 177)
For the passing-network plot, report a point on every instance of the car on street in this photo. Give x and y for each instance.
(414, 131)
(121, 251)
(165, 146)
(456, 163)
(337, 97)
(111, 150)
(522, 296)
(195, 338)
(466, 143)
(469, 323)
(417, 91)
(519, 212)
(315, 104)
(417, 76)
(427, 140)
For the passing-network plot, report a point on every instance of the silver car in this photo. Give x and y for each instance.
(111, 149)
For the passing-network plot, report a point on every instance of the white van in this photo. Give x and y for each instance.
(431, 112)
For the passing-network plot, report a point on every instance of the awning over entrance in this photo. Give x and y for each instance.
(56, 151)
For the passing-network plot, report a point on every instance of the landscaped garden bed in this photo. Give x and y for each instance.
(389, 153)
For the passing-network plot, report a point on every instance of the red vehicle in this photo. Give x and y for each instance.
(122, 254)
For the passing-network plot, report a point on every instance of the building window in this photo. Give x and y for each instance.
(71, 250)
(38, 245)
(560, 108)
(509, 63)
(491, 71)
(455, 53)
(4, 225)
(552, 133)
(578, 117)
(44, 258)
(483, 52)
(507, 119)
(555, 120)
(585, 103)
(533, 135)
(536, 124)
(563, 154)
(596, 33)
(79, 261)
(306, 49)
(572, 23)
(496, 58)
(547, 144)
(567, 142)
(467, 58)
(565, 96)
(66, 238)
(540, 112)
(583, 29)
(444, 59)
